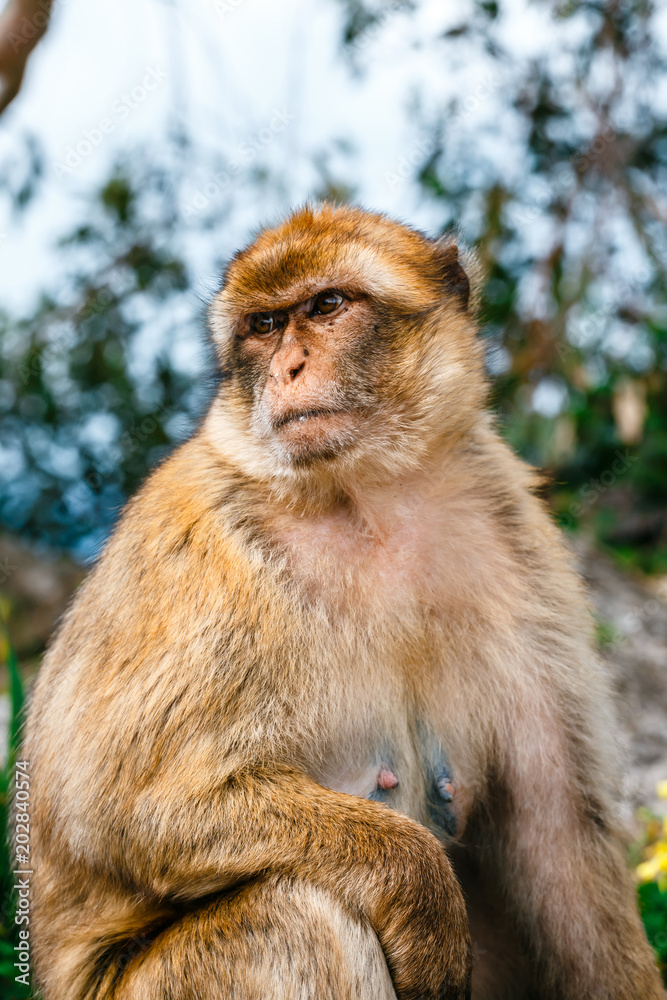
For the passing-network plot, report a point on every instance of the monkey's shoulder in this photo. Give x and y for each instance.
(175, 561)
(192, 508)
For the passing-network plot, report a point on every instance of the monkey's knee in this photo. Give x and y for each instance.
(267, 942)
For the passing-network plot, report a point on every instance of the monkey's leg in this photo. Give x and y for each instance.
(270, 941)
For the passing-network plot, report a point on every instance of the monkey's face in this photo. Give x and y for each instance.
(345, 341)
(305, 372)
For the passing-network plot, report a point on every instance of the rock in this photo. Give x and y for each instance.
(633, 610)
(36, 586)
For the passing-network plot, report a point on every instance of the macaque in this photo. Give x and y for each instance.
(326, 720)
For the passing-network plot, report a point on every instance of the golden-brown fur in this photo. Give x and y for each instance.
(288, 606)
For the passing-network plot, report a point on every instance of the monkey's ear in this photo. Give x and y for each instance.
(454, 277)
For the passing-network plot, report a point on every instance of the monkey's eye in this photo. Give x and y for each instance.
(263, 323)
(326, 302)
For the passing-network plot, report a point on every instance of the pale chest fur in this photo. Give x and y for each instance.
(395, 598)
(415, 551)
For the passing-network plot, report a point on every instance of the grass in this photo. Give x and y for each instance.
(652, 894)
(9, 988)
(650, 858)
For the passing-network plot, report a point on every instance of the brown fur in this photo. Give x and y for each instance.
(283, 609)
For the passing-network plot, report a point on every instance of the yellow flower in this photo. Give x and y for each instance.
(648, 871)
(656, 865)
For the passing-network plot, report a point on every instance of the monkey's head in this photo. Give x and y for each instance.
(347, 345)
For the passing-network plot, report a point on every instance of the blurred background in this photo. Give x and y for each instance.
(150, 138)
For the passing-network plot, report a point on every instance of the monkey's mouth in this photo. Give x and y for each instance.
(303, 416)
(317, 433)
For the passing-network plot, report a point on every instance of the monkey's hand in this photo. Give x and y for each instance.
(420, 917)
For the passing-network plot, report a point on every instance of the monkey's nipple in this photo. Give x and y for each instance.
(446, 787)
(386, 779)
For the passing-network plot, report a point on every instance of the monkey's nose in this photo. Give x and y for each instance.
(287, 366)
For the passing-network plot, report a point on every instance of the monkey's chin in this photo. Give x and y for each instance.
(314, 436)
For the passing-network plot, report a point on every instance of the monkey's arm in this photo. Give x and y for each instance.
(187, 838)
(190, 831)
(278, 823)
(563, 865)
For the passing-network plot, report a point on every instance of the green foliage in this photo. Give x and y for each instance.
(88, 407)
(653, 908)
(606, 635)
(649, 857)
(361, 19)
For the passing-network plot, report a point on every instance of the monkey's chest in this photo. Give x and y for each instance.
(383, 752)
(382, 645)
(423, 787)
